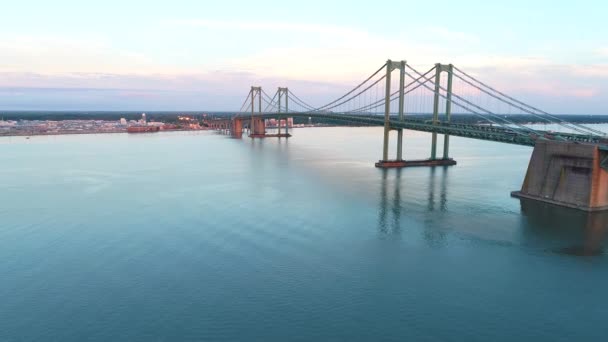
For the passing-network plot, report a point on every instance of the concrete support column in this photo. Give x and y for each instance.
(400, 144)
(401, 106)
(448, 113)
(279, 110)
(252, 109)
(286, 110)
(259, 126)
(436, 110)
(387, 110)
(237, 127)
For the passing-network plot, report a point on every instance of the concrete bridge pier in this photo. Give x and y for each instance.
(258, 128)
(279, 134)
(567, 174)
(237, 128)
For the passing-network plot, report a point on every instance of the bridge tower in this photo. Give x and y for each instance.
(385, 162)
(283, 96)
(257, 127)
(449, 69)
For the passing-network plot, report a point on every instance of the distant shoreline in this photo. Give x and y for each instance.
(32, 134)
(172, 117)
(16, 124)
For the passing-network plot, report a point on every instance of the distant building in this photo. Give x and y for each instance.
(8, 123)
(143, 118)
(123, 121)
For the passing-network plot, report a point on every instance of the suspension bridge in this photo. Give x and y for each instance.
(569, 163)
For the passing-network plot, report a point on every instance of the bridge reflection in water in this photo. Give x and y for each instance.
(541, 227)
(391, 208)
(569, 231)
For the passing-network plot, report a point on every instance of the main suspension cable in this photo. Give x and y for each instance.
(525, 104)
(351, 91)
(451, 100)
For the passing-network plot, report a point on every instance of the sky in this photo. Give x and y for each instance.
(205, 55)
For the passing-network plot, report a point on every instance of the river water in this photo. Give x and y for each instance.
(199, 237)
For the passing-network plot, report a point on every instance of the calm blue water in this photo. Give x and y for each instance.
(196, 236)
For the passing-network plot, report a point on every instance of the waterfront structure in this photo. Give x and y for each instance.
(568, 168)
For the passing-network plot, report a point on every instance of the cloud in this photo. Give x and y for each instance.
(452, 36)
(57, 54)
(585, 93)
(589, 71)
(274, 26)
(216, 90)
(555, 88)
(320, 62)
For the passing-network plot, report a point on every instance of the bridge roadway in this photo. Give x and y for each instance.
(482, 132)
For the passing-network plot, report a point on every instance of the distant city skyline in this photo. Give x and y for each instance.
(189, 55)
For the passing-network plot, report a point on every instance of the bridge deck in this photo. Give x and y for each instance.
(473, 131)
